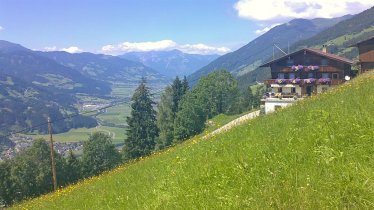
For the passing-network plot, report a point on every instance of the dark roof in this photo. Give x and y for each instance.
(315, 51)
(369, 39)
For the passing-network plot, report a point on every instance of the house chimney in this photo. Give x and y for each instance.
(324, 48)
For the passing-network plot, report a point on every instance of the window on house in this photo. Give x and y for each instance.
(291, 76)
(307, 61)
(293, 90)
(279, 90)
(290, 62)
(335, 76)
(324, 62)
(281, 76)
(325, 75)
(310, 75)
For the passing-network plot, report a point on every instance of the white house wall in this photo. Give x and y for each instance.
(270, 105)
(286, 89)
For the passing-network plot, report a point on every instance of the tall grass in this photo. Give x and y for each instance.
(318, 154)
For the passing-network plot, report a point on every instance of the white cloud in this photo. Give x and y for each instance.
(71, 49)
(139, 46)
(162, 45)
(202, 49)
(283, 10)
(266, 29)
(53, 48)
(1, 28)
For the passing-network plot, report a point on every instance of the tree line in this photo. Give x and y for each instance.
(29, 174)
(181, 113)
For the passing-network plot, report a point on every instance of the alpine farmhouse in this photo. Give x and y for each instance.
(366, 54)
(303, 73)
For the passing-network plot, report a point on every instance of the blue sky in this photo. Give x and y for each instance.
(114, 26)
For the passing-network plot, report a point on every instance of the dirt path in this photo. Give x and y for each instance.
(234, 123)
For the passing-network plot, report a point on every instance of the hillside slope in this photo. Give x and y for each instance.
(340, 36)
(32, 68)
(33, 87)
(317, 154)
(250, 56)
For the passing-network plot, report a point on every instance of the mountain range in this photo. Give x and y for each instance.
(36, 85)
(171, 63)
(105, 68)
(32, 68)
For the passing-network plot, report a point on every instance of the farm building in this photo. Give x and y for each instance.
(366, 54)
(304, 73)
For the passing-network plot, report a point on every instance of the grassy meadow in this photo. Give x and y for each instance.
(82, 134)
(317, 154)
(116, 115)
(113, 120)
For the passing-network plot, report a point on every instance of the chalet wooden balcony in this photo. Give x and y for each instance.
(269, 81)
(302, 82)
(321, 69)
(328, 69)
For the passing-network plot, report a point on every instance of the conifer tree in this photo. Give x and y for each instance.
(177, 93)
(168, 108)
(142, 129)
(185, 85)
(165, 119)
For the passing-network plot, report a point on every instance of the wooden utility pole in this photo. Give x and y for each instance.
(54, 179)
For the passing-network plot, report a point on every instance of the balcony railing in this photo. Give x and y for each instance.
(304, 81)
(325, 69)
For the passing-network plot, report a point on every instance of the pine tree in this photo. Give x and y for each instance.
(177, 93)
(165, 119)
(142, 129)
(185, 85)
(168, 108)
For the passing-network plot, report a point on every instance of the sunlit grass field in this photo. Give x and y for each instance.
(82, 134)
(317, 154)
(116, 115)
